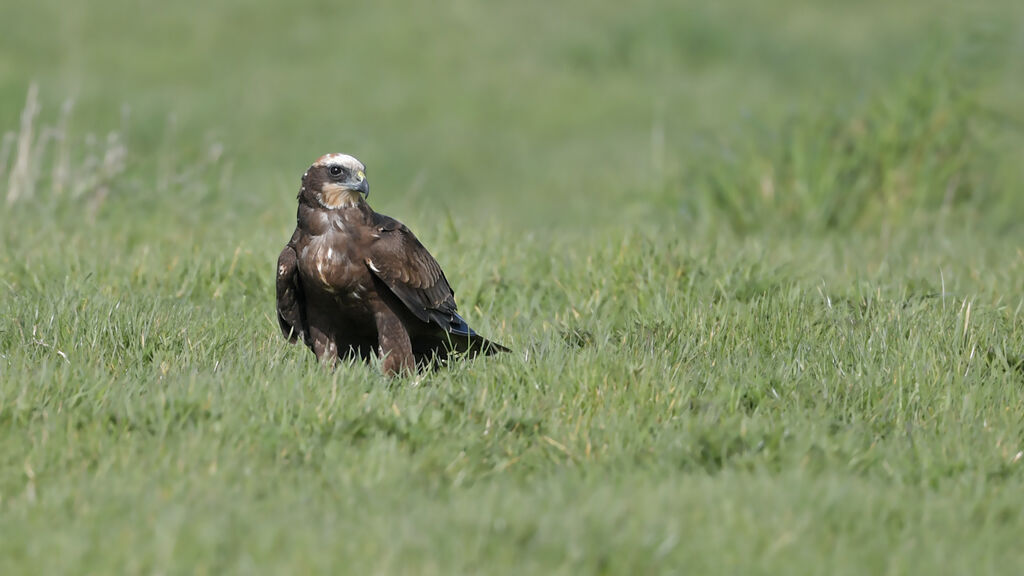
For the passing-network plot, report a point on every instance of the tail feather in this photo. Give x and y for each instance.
(465, 339)
(480, 345)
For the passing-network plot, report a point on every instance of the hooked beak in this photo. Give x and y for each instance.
(361, 184)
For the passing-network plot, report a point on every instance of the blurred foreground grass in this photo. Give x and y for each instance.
(761, 265)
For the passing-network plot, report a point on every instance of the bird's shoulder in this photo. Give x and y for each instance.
(398, 256)
(397, 240)
(387, 224)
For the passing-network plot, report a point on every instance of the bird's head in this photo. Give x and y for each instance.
(335, 181)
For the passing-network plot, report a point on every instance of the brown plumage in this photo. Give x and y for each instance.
(352, 282)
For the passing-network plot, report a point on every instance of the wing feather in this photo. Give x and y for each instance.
(290, 307)
(399, 260)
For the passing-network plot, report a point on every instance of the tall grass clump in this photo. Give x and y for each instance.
(918, 149)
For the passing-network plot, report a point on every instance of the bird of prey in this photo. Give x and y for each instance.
(355, 283)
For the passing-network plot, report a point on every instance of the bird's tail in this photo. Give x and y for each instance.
(465, 340)
(480, 345)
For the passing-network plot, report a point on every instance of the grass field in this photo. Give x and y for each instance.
(761, 266)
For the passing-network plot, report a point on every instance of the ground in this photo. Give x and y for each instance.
(761, 267)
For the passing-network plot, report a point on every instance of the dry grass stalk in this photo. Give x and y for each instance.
(20, 181)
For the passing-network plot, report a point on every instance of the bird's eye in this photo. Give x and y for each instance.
(335, 170)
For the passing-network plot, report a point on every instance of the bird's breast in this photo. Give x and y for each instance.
(327, 264)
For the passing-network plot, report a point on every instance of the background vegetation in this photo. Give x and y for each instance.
(761, 265)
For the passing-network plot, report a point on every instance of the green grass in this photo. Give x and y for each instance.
(761, 267)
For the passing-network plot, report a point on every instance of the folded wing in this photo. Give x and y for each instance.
(399, 260)
(290, 309)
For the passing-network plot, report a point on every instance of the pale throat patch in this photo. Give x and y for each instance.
(337, 196)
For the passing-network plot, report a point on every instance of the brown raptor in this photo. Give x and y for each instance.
(352, 282)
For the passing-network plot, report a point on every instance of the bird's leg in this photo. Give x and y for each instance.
(324, 347)
(395, 346)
